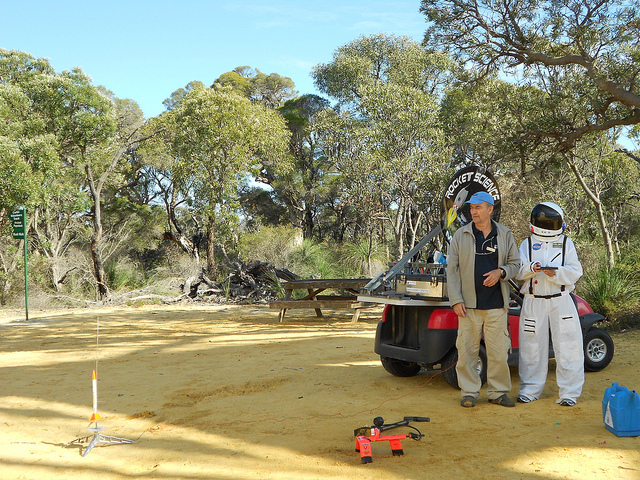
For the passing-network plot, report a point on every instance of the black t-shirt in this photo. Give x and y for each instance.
(486, 260)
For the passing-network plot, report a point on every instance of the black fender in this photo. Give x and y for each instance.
(587, 320)
(410, 339)
(434, 345)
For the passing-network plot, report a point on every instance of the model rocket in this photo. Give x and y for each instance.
(94, 380)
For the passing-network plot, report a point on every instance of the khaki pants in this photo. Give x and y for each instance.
(496, 339)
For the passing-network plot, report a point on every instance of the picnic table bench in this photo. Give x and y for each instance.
(314, 300)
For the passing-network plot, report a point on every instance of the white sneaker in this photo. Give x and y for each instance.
(567, 402)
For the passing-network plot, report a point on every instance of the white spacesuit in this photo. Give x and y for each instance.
(548, 305)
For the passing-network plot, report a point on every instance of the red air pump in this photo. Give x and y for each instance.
(366, 435)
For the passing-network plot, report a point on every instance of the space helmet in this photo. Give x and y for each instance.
(547, 220)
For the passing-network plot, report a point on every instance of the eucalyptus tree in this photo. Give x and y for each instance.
(483, 122)
(174, 100)
(220, 138)
(581, 59)
(28, 145)
(27, 150)
(584, 55)
(171, 179)
(270, 90)
(68, 140)
(391, 149)
(609, 182)
(302, 189)
(274, 197)
(103, 166)
(59, 120)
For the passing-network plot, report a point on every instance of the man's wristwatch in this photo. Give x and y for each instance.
(504, 273)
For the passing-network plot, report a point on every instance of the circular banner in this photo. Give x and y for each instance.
(462, 185)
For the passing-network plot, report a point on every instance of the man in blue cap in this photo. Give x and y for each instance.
(483, 255)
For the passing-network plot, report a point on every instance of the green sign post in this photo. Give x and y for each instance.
(19, 223)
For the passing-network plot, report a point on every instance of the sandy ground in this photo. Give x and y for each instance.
(227, 392)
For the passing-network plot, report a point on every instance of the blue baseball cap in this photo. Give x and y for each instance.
(480, 197)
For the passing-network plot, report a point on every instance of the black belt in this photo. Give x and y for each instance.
(548, 296)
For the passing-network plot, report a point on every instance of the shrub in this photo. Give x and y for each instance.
(315, 260)
(367, 258)
(613, 292)
(125, 274)
(273, 245)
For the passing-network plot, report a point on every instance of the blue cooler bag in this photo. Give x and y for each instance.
(621, 411)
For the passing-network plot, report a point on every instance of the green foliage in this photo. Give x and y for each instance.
(28, 147)
(176, 97)
(226, 288)
(382, 59)
(386, 141)
(314, 260)
(61, 135)
(323, 260)
(275, 284)
(270, 90)
(221, 137)
(144, 222)
(274, 245)
(364, 255)
(305, 188)
(353, 180)
(261, 207)
(613, 292)
(582, 55)
(283, 247)
(125, 275)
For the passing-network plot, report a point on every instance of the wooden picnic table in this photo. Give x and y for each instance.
(314, 300)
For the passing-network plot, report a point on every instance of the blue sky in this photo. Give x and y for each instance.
(146, 49)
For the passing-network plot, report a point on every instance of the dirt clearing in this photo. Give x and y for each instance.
(227, 392)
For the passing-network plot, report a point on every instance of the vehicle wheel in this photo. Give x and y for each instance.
(449, 361)
(598, 350)
(400, 368)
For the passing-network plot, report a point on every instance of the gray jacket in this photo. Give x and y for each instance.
(461, 264)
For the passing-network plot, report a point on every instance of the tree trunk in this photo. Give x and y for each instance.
(8, 265)
(611, 258)
(184, 243)
(95, 188)
(307, 221)
(369, 271)
(54, 242)
(55, 274)
(413, 226)
(96, 240)
(211, 242)
(398, 229)
(179, 238)
(98, 268)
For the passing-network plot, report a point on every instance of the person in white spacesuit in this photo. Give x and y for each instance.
(550, 268)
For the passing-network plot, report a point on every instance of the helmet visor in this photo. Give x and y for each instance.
(546, 217)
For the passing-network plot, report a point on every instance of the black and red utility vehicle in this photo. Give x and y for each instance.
(410, 337)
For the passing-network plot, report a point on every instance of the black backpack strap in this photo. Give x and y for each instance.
(564, 249)
(531, 279)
